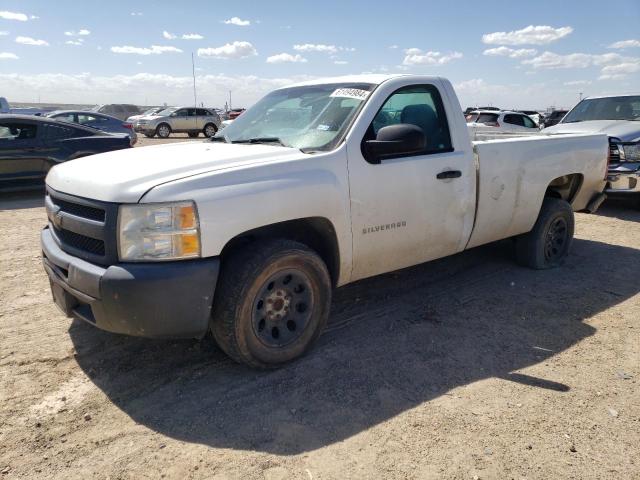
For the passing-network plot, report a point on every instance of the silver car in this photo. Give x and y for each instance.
(189, 120)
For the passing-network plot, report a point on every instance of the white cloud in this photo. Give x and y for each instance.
(83, 32)
(553, 60)
(393, 47)
(340, 62)
(3, 34)
(315, 47)
(136, 14)
(577, 83)
(415, 56)
(286, 58)
(229, 50)
(238, 22)
(168, 36)
(153, 50)
(614, 65)
(619, 70)
(531, 35)
(625, 44)
(8, 56)
(510, 52)
(32, 41)
(21, 17)
(77, 42)
(192, 36)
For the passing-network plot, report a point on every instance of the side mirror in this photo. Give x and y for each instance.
(393, 141)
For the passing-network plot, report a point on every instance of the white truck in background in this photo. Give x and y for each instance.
(317, 185)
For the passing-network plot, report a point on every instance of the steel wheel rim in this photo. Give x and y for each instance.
(282, 309)
(163, 131)
(556, 239)
(210, 131)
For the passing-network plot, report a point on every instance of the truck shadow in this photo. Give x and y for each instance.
(394, 342)
(32, 198)
(622, 208)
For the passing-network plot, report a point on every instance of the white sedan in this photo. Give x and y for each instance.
(500, 122)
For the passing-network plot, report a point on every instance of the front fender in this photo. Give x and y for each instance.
(231, 202)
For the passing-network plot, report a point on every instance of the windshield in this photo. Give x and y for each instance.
(151, 111)
(167, 111)
(310, 118)
(610, 108)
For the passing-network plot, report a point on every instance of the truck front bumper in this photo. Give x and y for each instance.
(623, 182)
(159, 300)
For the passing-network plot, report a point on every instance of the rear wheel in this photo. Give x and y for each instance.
(163, 130)
(547, 244)
(210, 130)
(271, 304)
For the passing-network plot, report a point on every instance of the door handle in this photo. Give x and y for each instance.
(449, 174)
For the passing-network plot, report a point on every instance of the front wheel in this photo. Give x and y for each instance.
(163, 130)
(210, 130)
(271, 304)
(547, 244)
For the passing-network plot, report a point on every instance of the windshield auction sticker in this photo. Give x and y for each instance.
(356, 93)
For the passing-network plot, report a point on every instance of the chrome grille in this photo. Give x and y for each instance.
(614, 153)
(82, 227)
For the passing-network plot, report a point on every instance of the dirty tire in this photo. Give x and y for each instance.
(255, 283)
(163, 130)
(547, 244)
(210, 130)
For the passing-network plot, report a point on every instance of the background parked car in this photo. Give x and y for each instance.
(553, 118)
(189, 120)
(533, 115)
(146, 113)
(235, 113)
(30, 146)
(619, 117)
(490, 121)
(102, 122)
(121, 111)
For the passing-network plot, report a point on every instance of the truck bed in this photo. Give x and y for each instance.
(513, 174)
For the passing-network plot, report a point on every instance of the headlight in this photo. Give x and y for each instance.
(158, 231)
(629, 152)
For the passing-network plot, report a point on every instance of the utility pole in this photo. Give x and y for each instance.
(580, 96)
(230, 100)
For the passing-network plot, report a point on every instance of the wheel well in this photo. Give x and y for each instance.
(565, 187)
(315, 232)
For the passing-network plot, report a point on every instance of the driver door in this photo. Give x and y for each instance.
(413, 208)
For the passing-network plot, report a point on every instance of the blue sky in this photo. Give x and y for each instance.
(508, 53)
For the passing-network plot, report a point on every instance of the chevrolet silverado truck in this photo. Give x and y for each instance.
(317, 185)
(619, 117)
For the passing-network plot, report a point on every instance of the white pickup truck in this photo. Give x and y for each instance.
(317, 185)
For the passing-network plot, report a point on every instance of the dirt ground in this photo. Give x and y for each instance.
(469, 367)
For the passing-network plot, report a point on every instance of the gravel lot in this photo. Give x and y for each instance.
(467, 367)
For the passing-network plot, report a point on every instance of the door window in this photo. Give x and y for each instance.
(514, 120)
(56, 132)
(528, 122)
(182, 112)
(419, 105)
(201, 112)
(17, 131)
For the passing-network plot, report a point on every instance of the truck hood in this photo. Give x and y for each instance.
(625, 130)
(124, 176)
